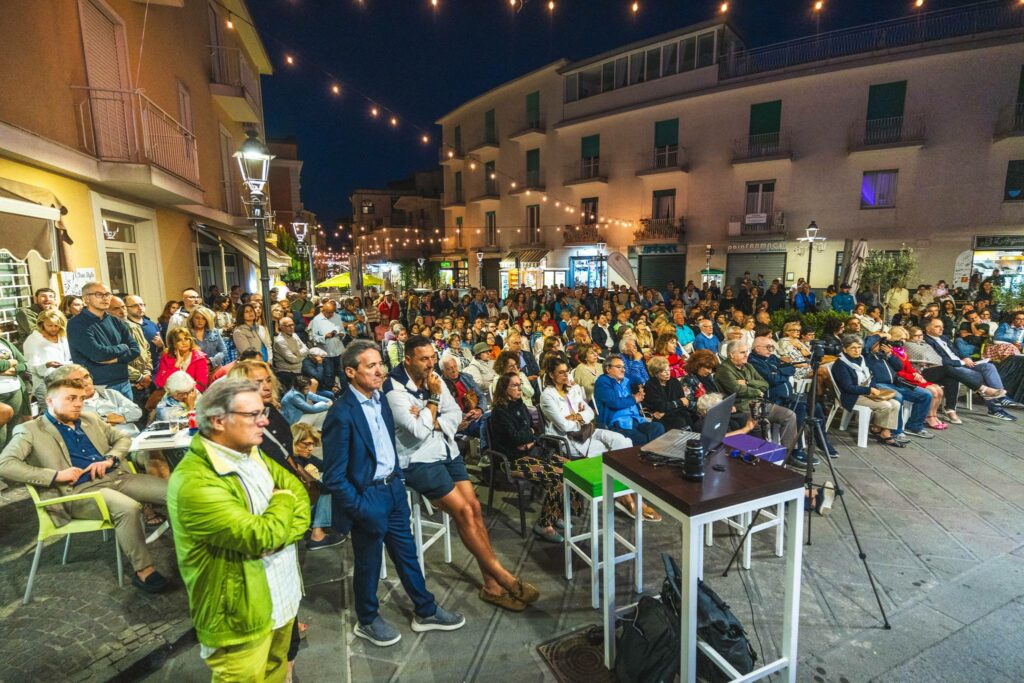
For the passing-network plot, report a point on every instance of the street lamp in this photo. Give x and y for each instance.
(480, 268)
(254, 164)
(811, 242)
(301, 229)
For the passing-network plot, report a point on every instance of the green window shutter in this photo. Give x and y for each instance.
(1014, 191)
(664, 193)
(458, 182)
(532, 160)
(590, 146)
(489, 124)
(885, 101)
(766, 117)
(1020, 86)
(666, 133)
(457, 137)
(533, 108)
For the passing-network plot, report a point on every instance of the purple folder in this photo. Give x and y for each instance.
(765, 450)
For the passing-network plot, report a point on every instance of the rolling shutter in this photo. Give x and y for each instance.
(771, 265)
(666, 133)
(657, 270)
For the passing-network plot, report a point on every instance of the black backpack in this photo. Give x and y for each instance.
(647, 646)
(716, 625)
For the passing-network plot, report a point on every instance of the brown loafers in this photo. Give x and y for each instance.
(504, 600)
(525, 592)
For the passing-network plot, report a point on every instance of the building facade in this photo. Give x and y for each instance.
(126, 116)
(689, 152)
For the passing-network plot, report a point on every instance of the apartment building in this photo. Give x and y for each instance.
(120, 118)
(689, 151)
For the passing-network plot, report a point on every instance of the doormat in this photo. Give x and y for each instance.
(577, 656)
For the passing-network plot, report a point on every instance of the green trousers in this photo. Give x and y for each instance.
(259, 661)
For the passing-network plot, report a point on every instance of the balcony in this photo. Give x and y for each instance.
(234, 85)
(587, 172)
(126, 127)
(764, 147)
(1010, 123)
(904, 32)
(888, 133)
(457, 200)
(533, 133)
(532, 181)
(486, 147)
(490, 197)
(581, 234)
(451, 155)
(769, 224)
(660, 230)
(662, 161)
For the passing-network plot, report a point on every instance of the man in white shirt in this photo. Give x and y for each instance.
(426, 420)
(326, 331)
(116, 410)
(191, 300)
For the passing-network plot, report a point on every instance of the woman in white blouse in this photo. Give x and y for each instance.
(46, 349)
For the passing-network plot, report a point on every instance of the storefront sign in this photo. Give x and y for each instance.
(775, 246)
(998, 242)
(446, 264)
(72, 283)
(645, 249)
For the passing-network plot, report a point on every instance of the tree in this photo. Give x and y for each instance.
(883, 269)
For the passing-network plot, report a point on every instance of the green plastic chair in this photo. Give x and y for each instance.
(47, 529)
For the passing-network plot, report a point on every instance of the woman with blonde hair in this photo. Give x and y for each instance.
(202, 324)
(793, 350)
(277, 439)
(182, 353)
(305, 440)
(46, 349)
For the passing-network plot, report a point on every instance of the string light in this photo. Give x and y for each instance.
(723, 8)
(374, 111)
(426, 139)
(394, 122)
(229, 23)
(289, 59)
(636, 7)
(336, 89)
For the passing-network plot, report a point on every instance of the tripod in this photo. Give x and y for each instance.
(813, 432)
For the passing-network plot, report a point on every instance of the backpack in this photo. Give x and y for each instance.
(716, 625)
(647, 647)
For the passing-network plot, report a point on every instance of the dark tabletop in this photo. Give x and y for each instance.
(739, 483)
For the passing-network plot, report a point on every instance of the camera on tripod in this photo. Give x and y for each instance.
(825, 347)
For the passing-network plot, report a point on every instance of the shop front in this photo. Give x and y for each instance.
(453, 270)
(522, 268)
(587, 266)
(767, 258)
(991, 252)
(658, 264)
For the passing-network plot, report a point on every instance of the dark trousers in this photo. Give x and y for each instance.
(950, 384)
(386, 523)
(332, 369)
(642, 432)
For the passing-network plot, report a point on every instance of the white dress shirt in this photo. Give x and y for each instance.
(320, 326)
(415, 436)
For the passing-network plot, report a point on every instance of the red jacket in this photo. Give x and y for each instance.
(198, 369)
(388, 313)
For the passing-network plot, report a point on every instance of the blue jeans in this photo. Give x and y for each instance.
(332, 368)
(981, 374)
(642, 432)
(322, 512)
(920, 400)
(124, 388)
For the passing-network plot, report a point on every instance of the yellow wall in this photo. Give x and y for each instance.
(177, 252)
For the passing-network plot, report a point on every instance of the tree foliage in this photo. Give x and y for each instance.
(882, 269)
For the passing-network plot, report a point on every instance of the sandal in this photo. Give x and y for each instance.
(889, 441)
(156, 519)
(650, 514)
(505, 600)
(625, 510)
(939, 425)
(952, 418)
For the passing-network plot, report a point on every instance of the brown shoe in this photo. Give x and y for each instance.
(504, 600)
(525, 592)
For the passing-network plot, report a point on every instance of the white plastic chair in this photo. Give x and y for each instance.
(863, 415)
(438, 530)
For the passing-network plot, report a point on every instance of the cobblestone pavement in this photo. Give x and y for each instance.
(940, 521)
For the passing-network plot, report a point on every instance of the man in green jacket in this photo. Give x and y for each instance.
(736, 376)
(236, 516)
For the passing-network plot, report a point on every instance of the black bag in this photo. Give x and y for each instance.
(716, 625)
(647, 648)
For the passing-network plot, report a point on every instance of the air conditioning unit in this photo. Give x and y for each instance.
(735, 228)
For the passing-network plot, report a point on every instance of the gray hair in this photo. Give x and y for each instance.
(707, 402)
(625, 341)
(350, 358)
(851, 338)
(447, 357)
(219, 399)
(179, 382)
(608, 361)
(733, 345)
(64, 371)
(656, 364)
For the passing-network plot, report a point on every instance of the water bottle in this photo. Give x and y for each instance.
(193, 426)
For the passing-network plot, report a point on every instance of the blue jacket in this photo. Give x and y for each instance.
(884, 366)
(805, 303)
(468, 382)
(150, 329)
(843, 302)
(636, 371)
(777, 374)
(684, 335)
(94, 340)
(350, 459)
(1009, 334)
(846, 380)
(294, 405)
(615, 404)
(477, 309)
(711, 344)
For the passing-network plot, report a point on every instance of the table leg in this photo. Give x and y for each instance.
(692, 537)
(794, 560)
(608, 530)
(638, 541)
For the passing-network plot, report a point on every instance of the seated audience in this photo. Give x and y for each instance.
(666, 399)
(618, 404)
(301, 403)
(183, 354)
(857, 386)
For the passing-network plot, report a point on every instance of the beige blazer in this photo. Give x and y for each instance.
(36, 452)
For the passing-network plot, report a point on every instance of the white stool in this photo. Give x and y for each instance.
(439, 530)
(584, 477)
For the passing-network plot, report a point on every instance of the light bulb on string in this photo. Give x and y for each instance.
(374, 111)
(723, 8)
(426, 139)
(230, 23)
(289, 59)
(336, 89)
(635, 7)
(394, 122)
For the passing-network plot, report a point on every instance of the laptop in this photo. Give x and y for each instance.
(672, 444)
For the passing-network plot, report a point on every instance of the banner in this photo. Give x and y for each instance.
(620, 264)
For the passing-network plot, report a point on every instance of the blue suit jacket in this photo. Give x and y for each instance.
(350, 459)
(946, 360)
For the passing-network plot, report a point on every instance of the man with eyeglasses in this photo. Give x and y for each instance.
(136, 308)
(618, 404)
(190, 301)
(102, 343)
(237, 516)
(140, 370)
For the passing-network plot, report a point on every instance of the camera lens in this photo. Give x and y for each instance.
(693, 461)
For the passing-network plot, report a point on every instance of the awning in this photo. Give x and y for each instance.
(27, 215)
(246, 246)
(527, 258)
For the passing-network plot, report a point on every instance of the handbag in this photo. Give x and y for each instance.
(883, 395)
(308, 481)
(584, 434)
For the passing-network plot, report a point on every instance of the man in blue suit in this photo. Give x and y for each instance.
(362, 474)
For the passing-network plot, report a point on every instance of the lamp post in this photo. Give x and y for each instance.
(254, 164)
(812, 242)
(301, 229)
(480, 268)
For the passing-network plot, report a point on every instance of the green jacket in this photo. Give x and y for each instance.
(727, 377)
(219, 543)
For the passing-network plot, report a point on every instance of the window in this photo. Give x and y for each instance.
(621, 72)
(533, 110)
(706, 50)
(533, 168)
(571, 94)
(490, 184)
(878, 190)
(885, 101)
(653, 65)
(636, 68)
(664, 205)
(760, 196)
(490, 128)
(185, 107)
(588, 209)
(669, 61)
(458, 232)
(533, 223)
(15, 293)
(458, 186)
(1014, 191)
(590, 156)
(366, 208)
(457, 138)
(666, 143)
(590, 82)
(765, 124)
(608, 76)
(687, 54)
(491, 225)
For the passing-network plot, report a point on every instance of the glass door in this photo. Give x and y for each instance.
(122, 257)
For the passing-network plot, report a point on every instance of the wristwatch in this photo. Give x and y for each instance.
(117, 461)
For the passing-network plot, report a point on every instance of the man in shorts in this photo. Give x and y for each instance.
(426, 420)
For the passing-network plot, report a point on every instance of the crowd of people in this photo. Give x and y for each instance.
(312, 425)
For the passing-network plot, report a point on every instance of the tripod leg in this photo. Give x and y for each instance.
(743, 541)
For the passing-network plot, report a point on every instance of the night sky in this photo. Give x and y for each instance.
(422, 63)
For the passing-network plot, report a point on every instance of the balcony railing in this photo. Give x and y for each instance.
(660, 229)
(985, 17)
(531, 180)
(534, 127)
(894, 131)
(665, 158)
(763, 146)
(581, 234)
(230, 67)
(232, 191)
(457, 197)
(1010, 121)
(127, 126)
(588, 168)
(488, 139)
(759, 224)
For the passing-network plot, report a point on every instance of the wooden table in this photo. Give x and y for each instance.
(740, 488)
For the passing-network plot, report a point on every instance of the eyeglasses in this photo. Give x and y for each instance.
(105, 295)
(616, 367)
(307, 443)
(254, 415)
(748, 458)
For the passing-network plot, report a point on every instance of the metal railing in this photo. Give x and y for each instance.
(581, 234)
(893, 130)
(665, 158)
(535, 126)
(774, 223)
(763, 145)
(660, 229)
(127, 126)
(588, 168)
(230, 67)
(1011, 120)
(984, 17)
(488, 139)
(232, 196)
